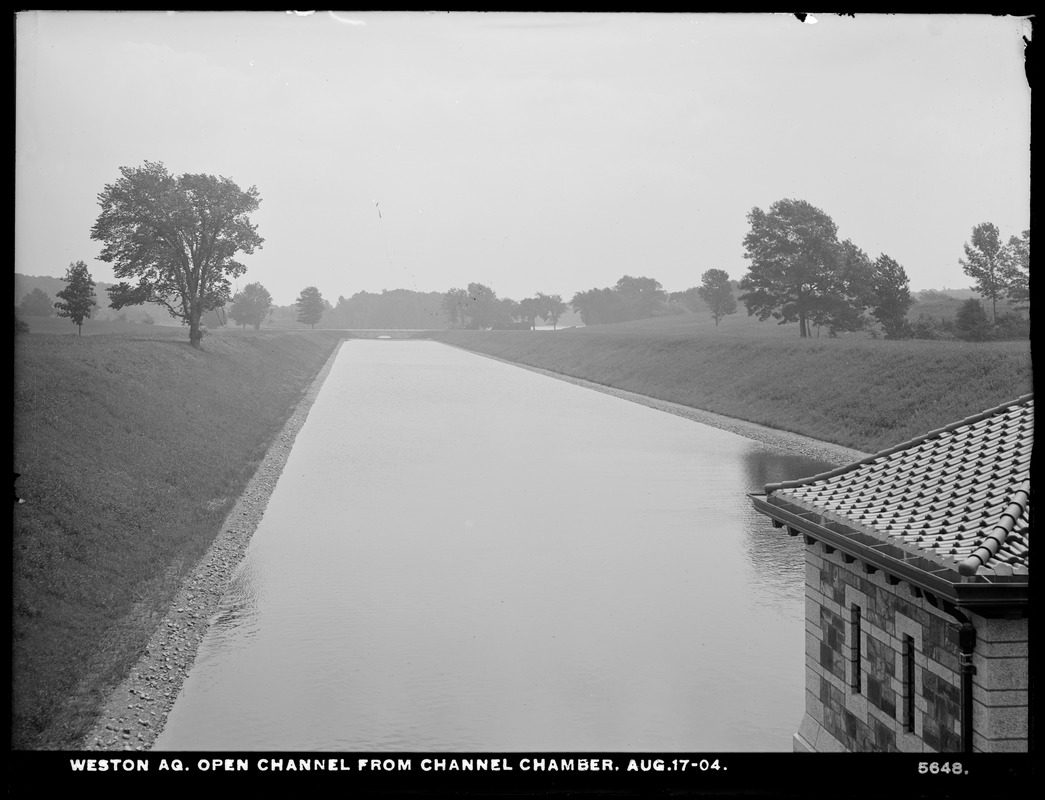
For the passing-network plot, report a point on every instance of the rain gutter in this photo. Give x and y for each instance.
(981, 592)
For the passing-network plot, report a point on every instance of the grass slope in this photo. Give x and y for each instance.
(131, 451)
(860, 393)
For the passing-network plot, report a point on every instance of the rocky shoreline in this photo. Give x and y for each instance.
(136, 711)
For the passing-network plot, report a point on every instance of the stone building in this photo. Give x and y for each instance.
(917, 566)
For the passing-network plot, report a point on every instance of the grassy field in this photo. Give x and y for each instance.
(131, 450)
(97, 327)
(857, 392)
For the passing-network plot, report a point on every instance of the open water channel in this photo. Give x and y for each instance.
(463, 555)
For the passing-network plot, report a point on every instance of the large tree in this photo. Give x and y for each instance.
(252, 306)
(841, 306)
(983, 263)
(508, 312)
(971, 323)
(642, 296)
(310, 306)
(178, 236)
(454, 304)
(482, 307)
(529, 309)
(551, 308)
(600, 306)
(77, 298)
(37, 303)
(631, 298)
(717, 292)
(794, 274)
(891, 297)
(1015, 269)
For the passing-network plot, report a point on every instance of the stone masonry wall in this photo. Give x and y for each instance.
(858, 695)
(1000, 685)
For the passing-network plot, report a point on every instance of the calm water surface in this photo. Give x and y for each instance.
(465, 555)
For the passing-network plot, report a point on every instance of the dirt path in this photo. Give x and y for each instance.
(137, 710)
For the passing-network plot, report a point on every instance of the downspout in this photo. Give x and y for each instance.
(966, 645)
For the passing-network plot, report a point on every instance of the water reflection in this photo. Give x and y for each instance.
(776, 558)
(464, 555)
(762, 466)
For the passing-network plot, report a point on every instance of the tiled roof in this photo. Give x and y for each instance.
(958, 496)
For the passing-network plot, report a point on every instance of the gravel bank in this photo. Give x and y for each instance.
(137, 710)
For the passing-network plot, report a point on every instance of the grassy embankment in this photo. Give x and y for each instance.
(857, 392)
(131, 452)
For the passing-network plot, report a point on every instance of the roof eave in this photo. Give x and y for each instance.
(980, 592)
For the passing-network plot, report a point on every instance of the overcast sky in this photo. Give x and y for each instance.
(529, 152)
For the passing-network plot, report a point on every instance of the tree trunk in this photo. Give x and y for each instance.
(195, 334)
(802, 331)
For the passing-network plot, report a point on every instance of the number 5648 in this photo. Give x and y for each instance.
(935, 768)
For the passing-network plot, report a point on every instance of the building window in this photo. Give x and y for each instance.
(854, 648)
(908, 683)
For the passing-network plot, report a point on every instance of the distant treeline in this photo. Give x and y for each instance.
(478, 306)
(389, 309)
(395, 308)
(799, 271)
(35, 296)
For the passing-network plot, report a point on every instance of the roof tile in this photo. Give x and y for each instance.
(958, 496)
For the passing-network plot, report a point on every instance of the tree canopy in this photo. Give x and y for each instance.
(550, 307)
(529, 310)
(396, 308)
(310, 306)
(971, 323)
(794, 274)
(37, 303)
(482, 308)
(77, 298)
(599, 306)
(454, 303)
(252, 306)
(717, 292)
(643, 297)
(847, 292)
(1015, 269)
(983, 263)
(631, 298)
(178, 237)
(547, 307)
(890, 297)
